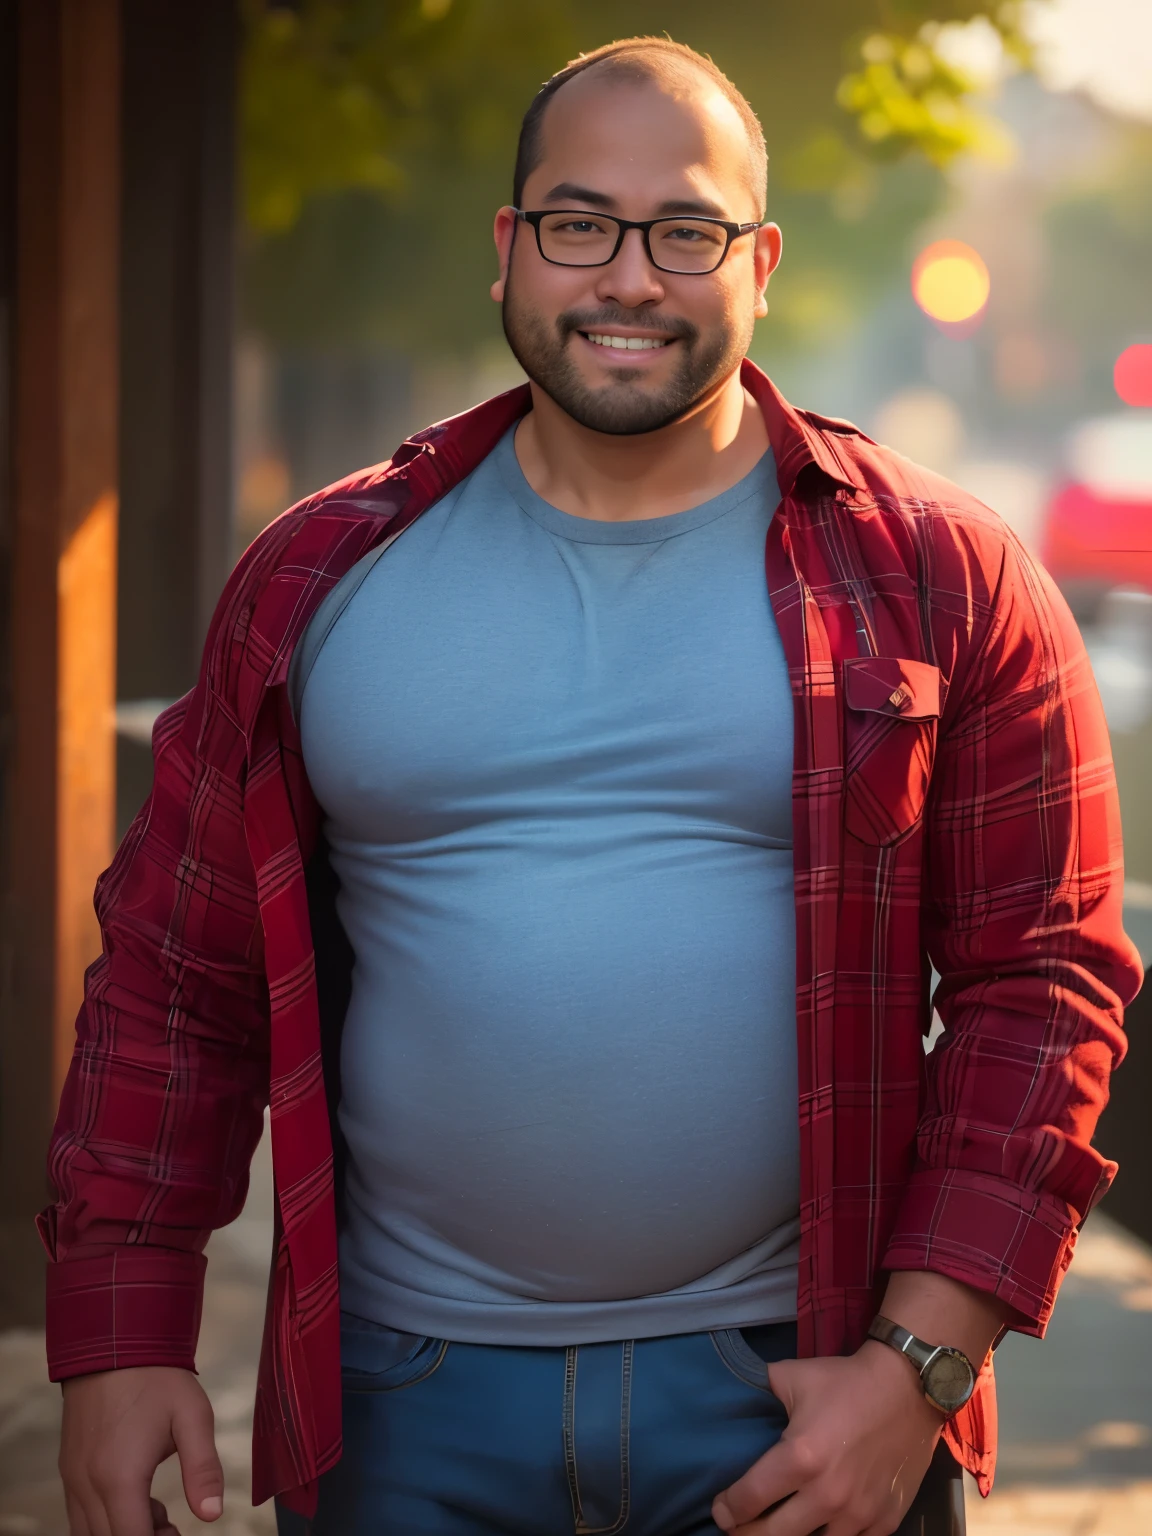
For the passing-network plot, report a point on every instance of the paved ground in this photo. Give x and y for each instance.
(1075, 1411)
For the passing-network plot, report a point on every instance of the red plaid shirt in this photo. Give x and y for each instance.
(954, 802)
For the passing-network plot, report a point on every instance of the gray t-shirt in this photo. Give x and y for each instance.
(554, 756)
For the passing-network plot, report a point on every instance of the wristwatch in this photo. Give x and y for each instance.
(947, 1375)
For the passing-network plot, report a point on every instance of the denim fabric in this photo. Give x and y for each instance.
(633, 1436)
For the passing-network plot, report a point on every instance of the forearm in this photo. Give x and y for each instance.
(944, 1311)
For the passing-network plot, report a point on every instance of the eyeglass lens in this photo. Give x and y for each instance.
(588, 239)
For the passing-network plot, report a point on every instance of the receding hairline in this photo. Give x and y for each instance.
(642, 61)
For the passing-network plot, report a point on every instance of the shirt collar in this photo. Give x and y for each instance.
(798, 438)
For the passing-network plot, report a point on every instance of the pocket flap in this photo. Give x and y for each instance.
(891, 685)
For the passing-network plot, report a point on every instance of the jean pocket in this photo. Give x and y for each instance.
(741, 1359)
(375, 1358)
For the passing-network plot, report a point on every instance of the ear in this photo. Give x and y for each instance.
(769, 244)
(503, 232)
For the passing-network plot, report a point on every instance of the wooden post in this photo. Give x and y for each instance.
(178, 97)
(60, 790)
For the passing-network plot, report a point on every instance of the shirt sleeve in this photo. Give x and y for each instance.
(162, 1107)
(1023, 921)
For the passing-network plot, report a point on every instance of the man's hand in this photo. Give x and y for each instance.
(860, 1430)
(859, 1439)
(118, 1427)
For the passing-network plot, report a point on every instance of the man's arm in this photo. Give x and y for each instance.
(1023, 922)
(161, 1112)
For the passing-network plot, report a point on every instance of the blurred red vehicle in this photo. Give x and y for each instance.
(1098, 526)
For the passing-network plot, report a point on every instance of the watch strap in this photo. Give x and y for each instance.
(902, 1339)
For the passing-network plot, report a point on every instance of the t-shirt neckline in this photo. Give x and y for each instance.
(649, 530)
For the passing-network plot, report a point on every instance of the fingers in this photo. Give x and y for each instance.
(807, 1514)
(200, 1469)
(161, 1525)
(112, 1504)
(78, 1522)
(779, 1472)
(800, 1516)
(129, 1511)
(821, 1507)
(805, 1518)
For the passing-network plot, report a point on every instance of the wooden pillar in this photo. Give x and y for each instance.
(9, 1045)
(60, 799)
(176, 349)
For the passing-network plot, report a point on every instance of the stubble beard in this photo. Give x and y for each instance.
(629, 405)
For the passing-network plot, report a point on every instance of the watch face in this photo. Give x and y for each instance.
(948, 1380)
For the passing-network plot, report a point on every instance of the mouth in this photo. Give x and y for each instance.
(627, 349)
(620, 342)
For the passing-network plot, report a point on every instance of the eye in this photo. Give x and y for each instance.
(580, 227)
(691, 232)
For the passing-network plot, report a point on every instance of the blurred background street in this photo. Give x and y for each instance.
(253, 252)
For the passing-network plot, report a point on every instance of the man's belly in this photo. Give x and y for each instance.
(568, 1088)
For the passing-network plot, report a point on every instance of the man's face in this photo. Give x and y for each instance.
(633, 150)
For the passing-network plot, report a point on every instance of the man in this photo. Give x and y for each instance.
(588, 883)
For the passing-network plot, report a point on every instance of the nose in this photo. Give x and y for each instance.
(630, 279)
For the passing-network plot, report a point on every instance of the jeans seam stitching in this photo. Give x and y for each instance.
(731, 1363)
(627, 1346)
(568, 1421)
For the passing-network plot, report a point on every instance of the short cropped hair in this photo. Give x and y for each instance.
(638, 59)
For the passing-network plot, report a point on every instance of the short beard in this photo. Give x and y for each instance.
(625, 408)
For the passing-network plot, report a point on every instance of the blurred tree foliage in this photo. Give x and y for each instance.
(378, 138)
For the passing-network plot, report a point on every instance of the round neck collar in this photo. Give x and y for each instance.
(646, 530)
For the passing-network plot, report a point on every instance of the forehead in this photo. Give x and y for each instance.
(643, 143)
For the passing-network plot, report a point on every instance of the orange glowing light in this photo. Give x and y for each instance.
(950, 281)
(1132, 375)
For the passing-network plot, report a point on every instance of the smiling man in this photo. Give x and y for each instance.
(572, 868)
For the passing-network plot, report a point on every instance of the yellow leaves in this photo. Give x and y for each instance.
(906, 95)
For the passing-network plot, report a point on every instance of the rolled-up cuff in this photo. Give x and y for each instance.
(136, 1306)
(988, 1233)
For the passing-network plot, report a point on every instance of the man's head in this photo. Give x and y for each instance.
(641, 129)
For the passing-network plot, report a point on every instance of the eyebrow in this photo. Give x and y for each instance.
(569, 191)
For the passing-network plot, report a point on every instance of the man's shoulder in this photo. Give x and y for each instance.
(881, 479)
(897, 490)
(893, 482)
(426, 465)
(318, 528)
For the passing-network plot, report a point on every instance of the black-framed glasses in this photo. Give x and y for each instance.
(574, 237)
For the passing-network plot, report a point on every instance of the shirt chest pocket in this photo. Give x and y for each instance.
(891, 710)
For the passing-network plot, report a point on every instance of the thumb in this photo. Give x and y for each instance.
(200, 1468)
(781, 1379)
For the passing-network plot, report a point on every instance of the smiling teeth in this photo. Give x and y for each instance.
(625, 343)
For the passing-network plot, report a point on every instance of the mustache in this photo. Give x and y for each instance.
(572, 320)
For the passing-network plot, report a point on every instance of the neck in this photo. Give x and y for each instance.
(619, 479)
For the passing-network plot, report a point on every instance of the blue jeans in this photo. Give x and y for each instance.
(634, 1436)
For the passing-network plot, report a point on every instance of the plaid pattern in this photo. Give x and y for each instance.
(953, 801)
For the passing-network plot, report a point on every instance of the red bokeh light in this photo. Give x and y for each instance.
(1132, 375)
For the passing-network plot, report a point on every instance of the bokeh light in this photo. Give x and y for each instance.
(950, 281)
(1132, 374)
